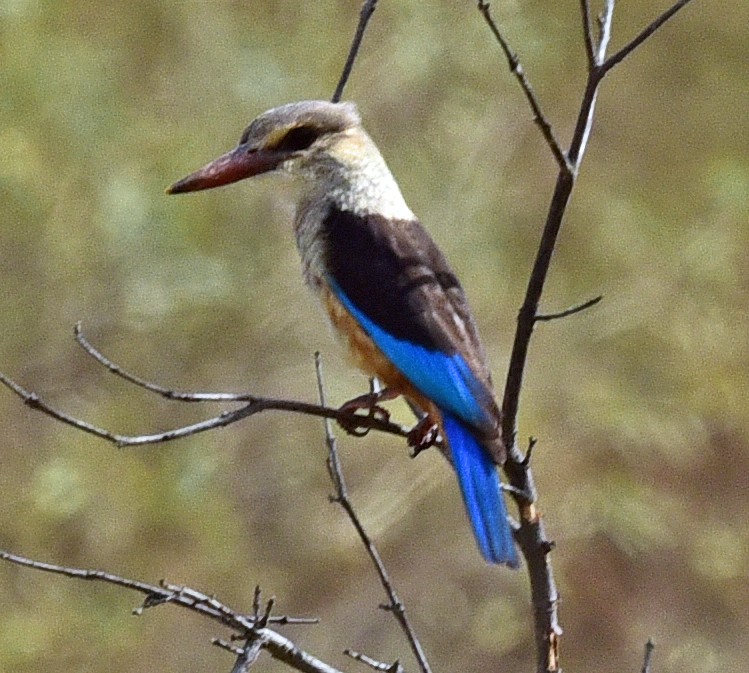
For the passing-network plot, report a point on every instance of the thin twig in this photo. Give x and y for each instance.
(584, 123)
(516, 68)
(579, 308)
(625, 51)
(590, 48)
(278, 646)
(167, 393)
(158, 594)
(227, 645)
(256, 602)
(395, 667)
(365, 15)
(395, 605)
(532, 442)
(266, 616)
(257, 405)
(647, 661)
(605, 22)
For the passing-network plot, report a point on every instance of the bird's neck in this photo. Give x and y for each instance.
(353, 178)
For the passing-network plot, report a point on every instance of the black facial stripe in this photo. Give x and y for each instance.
(297, 139)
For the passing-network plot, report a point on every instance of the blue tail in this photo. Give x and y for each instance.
(482, 494)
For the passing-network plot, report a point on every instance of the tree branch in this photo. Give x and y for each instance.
(253, 406)
(557, 208)
(395, 604)
(254, 628)
(395, 667)
(516, 68)
(531, 536)
(579, 308)
(625, 51)
(365, 15)
(167, 393)
(590, 49)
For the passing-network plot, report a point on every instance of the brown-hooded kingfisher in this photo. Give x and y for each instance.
(387, 288)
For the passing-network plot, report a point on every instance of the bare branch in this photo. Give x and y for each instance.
(557, 208)
(604, 30)
(579, 308)
(278, 646)
(555, 215)
(516, 68)
(529, 309)
(255, 406)
(625, 51)
(167, 393)
(227, 645)
(395, 667)
(365, 15)
(158, 594)
(531, 535)
(395, 605)
(590, 48)
(33, 401)
(647, 661)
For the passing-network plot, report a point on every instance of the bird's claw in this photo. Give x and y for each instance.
(374, 411)
(423, 435)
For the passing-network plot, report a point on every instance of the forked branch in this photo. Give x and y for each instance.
(251, 405)
(599, 67)
(254, 629)
(531, 536)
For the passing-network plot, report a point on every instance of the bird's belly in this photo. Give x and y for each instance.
(367, 356)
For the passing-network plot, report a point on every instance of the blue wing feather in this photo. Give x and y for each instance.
(444, 378)
(447, 379)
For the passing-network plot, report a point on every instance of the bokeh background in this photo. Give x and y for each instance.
(641, 405)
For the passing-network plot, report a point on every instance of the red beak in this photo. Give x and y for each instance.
(238, 164)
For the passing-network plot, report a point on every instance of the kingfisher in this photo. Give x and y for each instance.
(388, 290)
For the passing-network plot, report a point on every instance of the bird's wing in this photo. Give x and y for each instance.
(394, 280)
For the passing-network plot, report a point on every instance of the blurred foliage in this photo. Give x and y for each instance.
(640, 404)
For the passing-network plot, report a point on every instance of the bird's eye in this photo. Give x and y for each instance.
(298, 138)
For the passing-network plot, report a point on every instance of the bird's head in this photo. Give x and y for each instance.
(299, 138)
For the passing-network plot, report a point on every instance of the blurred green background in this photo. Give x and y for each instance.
(640, 405)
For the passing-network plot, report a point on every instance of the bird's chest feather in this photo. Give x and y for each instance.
(310, 240)
(367, 356)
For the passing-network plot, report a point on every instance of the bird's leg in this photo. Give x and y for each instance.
(423, 435)
(371, 402)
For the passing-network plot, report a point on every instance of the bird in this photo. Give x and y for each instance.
(387, 288)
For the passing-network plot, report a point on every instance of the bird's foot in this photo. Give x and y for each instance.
(423, 435)
(370, 402)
